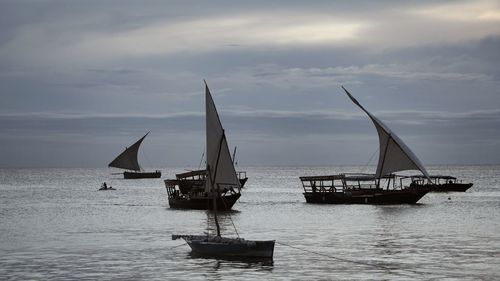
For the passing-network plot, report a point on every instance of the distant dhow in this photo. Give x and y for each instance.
(127, 160)
(383, 187)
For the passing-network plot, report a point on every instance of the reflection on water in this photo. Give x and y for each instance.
(55, 225)
(227, 220)
(238, 262)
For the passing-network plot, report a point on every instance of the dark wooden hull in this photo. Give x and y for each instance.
(373, 196)
(224, 202)
(142, 175)
(251, 249)
(451, 187)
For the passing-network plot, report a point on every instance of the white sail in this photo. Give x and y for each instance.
(128, 158)
(394, 155)
(219, 163)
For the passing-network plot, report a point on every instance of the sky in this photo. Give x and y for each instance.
(82, 80)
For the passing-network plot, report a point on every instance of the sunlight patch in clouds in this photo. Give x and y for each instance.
(464, 11)
(222, 32)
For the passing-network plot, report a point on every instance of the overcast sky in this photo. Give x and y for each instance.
(81, 80)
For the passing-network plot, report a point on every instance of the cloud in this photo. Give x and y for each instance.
(82, 115)
(394, 71)
(263, 136)
(468, 11)
(96, 38)
(393, 116)
(54, 43)
(106, 72)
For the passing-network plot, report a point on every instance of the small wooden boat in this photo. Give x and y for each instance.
(128, 160)
(441, 183)
(216, 246)
(380, 188)
(104, 186)
(222, 175)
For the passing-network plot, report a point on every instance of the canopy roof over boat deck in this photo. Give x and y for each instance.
(434, 177)
(346, 177)
(191, 174)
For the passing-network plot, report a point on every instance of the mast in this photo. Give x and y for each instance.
(217, 194)
(383, 160)
(214, 204)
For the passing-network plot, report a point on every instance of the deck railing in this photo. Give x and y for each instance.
(351, 182)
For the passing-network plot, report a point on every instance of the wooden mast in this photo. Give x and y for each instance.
(212, 181)
(383, 160)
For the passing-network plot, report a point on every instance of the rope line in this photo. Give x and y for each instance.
(230, 218)
(173, 247)
(448, 274)
(387, 268)
(336, 258)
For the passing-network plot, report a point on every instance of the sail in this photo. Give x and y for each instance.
(219, 163)
(128, 158)
(394, 155)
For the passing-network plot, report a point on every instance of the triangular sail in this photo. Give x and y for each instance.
(394, 155)
(128, 158)
(219, 163)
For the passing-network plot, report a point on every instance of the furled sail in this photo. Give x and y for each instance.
(219, 163)
(128, 158)
(394, 155)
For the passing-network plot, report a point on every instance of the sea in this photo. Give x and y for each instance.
(56, 225)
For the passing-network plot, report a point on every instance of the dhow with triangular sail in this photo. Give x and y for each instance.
(383, 187)
(221, 175)
(127, 160)
(192, 190)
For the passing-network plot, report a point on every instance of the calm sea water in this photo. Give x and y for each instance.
(54, 224)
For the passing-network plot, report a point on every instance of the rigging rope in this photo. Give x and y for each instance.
(363, 170)
(201, 160)
(173, 247)
(231, 219)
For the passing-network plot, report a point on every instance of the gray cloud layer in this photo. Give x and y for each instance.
(80, 80)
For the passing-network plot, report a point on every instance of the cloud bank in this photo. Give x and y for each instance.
(80, 80)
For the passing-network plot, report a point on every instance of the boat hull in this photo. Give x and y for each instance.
(248, 249)
(367, 197)
(224, 202)
(451, 187)
(142, 175)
